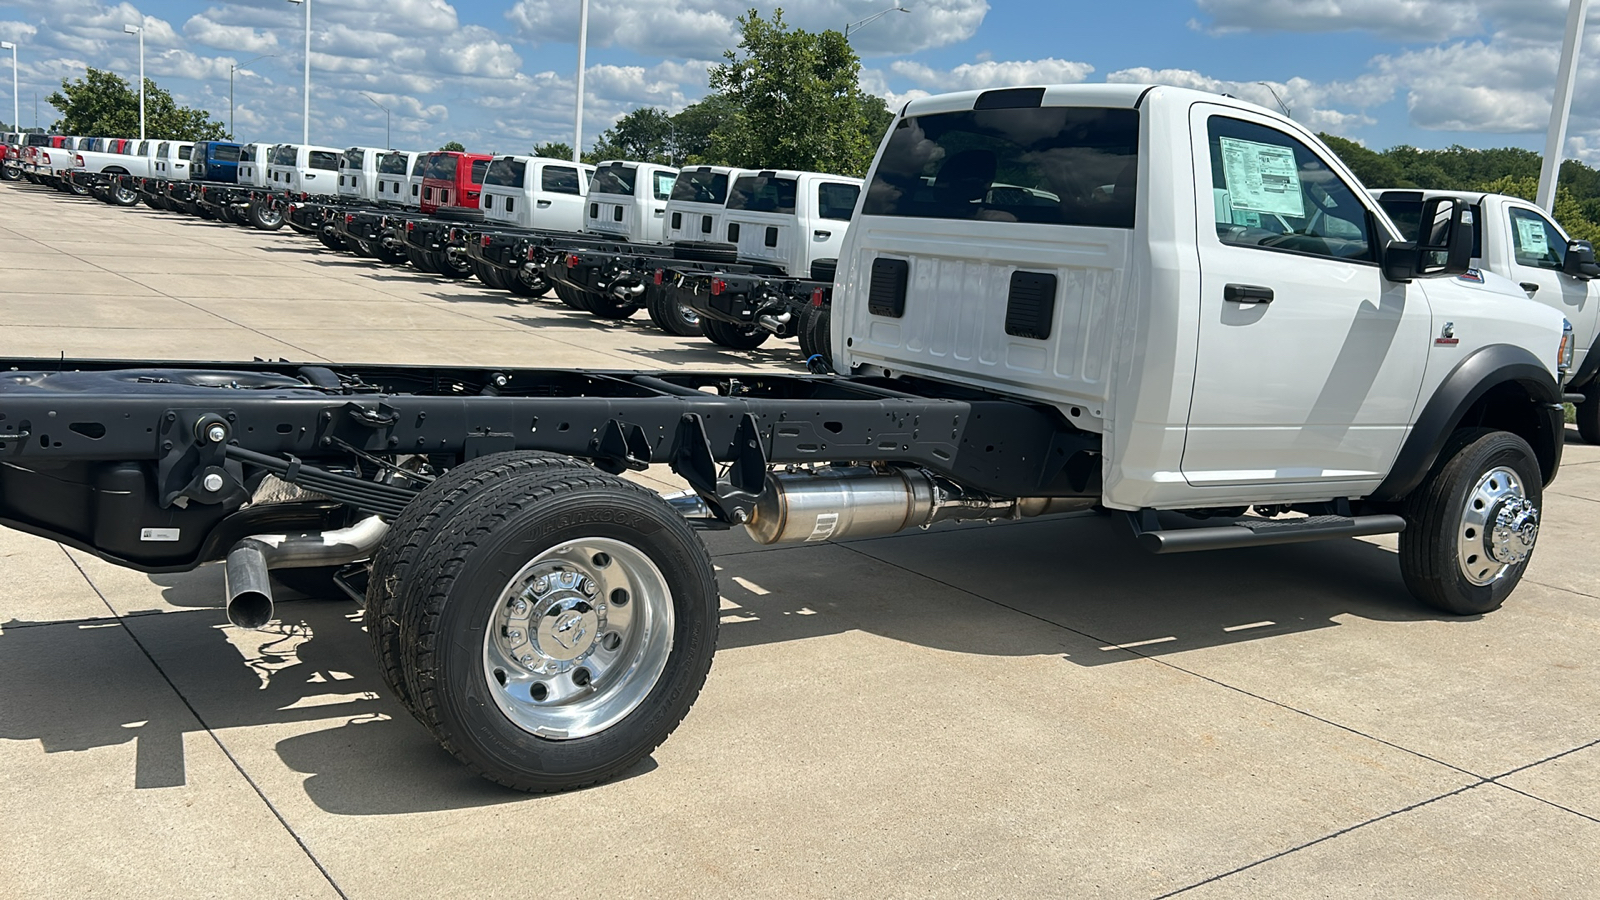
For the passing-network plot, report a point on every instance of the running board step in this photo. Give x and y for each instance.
(1254, 531)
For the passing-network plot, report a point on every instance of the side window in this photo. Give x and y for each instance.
(1536, 242)
(479, 168)
(560, 180)
(1269, 190)
(324, 160)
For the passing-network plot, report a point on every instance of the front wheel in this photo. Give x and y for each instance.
(558, 627)
(124, 196)
(734, 337)
(1472, 524)
(76, 189)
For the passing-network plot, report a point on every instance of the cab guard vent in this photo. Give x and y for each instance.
(887, 296)
(1011, 98)
(1031, 305)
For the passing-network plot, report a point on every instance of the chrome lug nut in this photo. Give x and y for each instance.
(212, 482)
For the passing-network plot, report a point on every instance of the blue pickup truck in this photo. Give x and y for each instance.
(213, 180)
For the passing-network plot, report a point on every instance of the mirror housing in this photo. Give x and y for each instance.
(1443, 245)
(1580, 262)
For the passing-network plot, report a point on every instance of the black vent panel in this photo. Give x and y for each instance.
(887, 295)
(733, 233)
(1031, 305)
(772, 236)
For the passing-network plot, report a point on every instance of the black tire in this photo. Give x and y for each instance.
(452, 625)
(1438, 523)
(390, 255)
(359, 247)
(265, 218)
(422, 262)
(1589, 416)
(670, 315)
(124, 197)
(609, 306)
(526, 282)
(457, 267)
(204, 212)
(489, 275)
(392, 564)
(10, 173)
(76, 189)
(331, 241)
(734, 337)
(822, 337)
(571, 297)
(705, 251)
(802, 330)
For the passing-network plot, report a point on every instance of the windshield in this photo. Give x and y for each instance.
(614, 179)
(763, 193)
(506, 172)
(284, 155)
(442, 167)
(1053, 165)
(353, 158)
(392, 164)
(696, 186)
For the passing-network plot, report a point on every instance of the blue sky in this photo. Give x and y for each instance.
(499, 74)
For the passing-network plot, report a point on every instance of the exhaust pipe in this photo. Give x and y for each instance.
(775, 324)
(627, 291)
(834, 503)
(249, 590)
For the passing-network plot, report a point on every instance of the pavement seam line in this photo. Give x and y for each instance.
(1327, 837)
(215, 739)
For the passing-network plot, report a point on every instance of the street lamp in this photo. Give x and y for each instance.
(16, 113)
(857, 26)
(307, 90)
(583, 47)
(139, 30)
(231, 69)
(1555, 141)
(386, 142)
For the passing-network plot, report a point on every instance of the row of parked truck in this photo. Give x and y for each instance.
(1165, 307)
(736, 255)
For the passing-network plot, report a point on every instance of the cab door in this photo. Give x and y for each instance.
(1538, 251)
(1309, 361)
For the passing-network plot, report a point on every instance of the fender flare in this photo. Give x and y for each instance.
(1482, 371)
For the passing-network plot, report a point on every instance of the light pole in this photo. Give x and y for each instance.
(231, 69)
(139, 30)
(1281, 105)
(1566, 79)
(386, 142)
(307, 89)
(857, 26)
(583, 47)
(16, 108)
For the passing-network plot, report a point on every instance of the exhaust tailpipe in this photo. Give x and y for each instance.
(833, 503)
(627, 291)
(249, 589)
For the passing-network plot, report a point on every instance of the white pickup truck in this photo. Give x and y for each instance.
(628, 200)
(698, 203)
(1045, 308)
(400, 178)
(106, 167)
(304, 170)
(358, 174)
(1516, 240)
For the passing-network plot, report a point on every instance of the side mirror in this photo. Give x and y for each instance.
(1580, 262)
(1443, 245)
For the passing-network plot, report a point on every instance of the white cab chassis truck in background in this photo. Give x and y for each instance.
(1517, 241)
(1169, 305)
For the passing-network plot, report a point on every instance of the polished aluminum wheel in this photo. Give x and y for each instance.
(578, 638)
(1498, 527)
(687, 314)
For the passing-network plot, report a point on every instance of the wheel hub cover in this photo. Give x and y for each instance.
(555, 623)
(1516, 527)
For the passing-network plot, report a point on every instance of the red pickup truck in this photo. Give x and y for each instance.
(453, 180)
(452, 186)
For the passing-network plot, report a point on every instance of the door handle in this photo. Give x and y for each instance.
(822, 235)
(544, 204)
(1246, 293)
(1530, 287)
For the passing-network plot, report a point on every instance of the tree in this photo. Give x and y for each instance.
(692, 130)
(453, 145)
(1374, 169)
(553, 150)
(103, 105)
(797, 97)
(644, 135)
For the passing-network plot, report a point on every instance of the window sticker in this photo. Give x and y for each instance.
(1530, 237)
(1262, 177)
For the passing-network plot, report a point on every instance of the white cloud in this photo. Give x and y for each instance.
(991, 73)
(203, 30)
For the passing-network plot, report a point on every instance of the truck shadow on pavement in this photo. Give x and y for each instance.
(1073, 588)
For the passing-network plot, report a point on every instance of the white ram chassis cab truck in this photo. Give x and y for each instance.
(628, 200)
(1052, 299)
(1517, 241)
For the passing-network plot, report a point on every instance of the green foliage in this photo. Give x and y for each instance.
(553, 150)
(1503, 170)
(644, 135)
(797, 97)
(103, 105)
(454, 145)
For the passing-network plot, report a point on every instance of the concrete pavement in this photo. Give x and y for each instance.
(1034, 709)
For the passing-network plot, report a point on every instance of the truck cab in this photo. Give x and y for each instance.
(453, 181)
(172, 161)
(215, 161)
(628, 200)
(696, 207)
(252, 169)
(1161, 236)
(400, 178)
(789, 219)
(358, 174)
(535, 192)
(304, 169)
